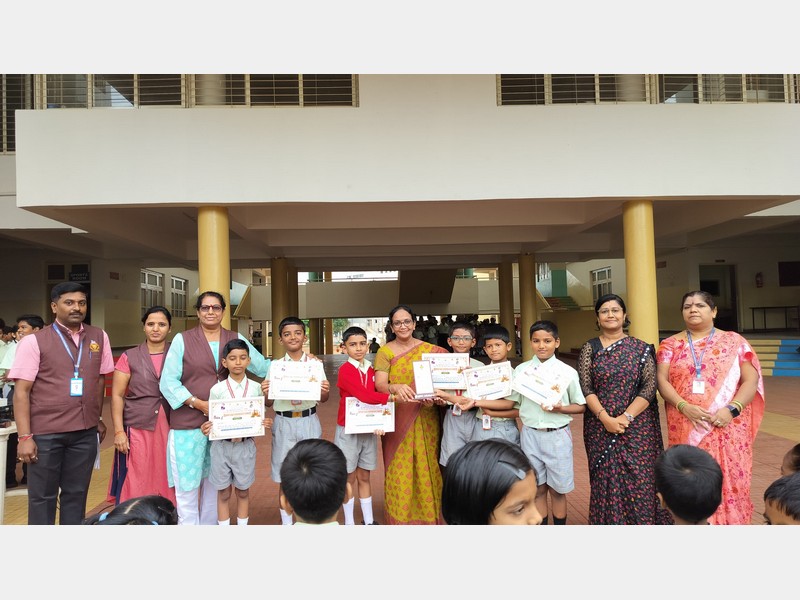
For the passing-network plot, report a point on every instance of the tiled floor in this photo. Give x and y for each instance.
(780, 430)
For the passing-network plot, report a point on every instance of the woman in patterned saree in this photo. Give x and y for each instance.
(413, 481)
(623, 433)
(714, 395)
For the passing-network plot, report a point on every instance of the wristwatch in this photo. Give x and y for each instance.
(629, 416)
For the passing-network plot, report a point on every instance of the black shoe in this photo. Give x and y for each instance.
(11, 484)
(373, 523)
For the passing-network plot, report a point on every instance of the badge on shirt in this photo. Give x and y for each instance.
(698, 386)
(76, 386)
(94, 346)
(456, 410)
(486, 421)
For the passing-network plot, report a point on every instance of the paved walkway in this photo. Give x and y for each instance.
(779, 431)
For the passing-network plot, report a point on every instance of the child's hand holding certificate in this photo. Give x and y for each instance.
(447, 369)
(491, 382)
(541, 385)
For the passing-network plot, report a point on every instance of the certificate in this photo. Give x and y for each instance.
(447, 370)
(360, 417)
(423, 380)
(294, 380)
(541, 385)
(236, 417)
(491, 382)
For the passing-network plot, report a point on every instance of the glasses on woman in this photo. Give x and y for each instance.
(204, 308)
(405, 323)
(613, 311)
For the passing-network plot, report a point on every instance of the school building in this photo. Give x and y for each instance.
(487, 194)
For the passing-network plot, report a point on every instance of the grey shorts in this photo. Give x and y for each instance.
(233, 463)
(286, 432)
(360, 449)
(504, 430)
(550, 453)
(456, 432)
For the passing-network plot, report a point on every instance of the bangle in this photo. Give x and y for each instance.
(22, 438)
(680, 406)
(118, 432)
(738, 405)
(191, 402)
(600, 412)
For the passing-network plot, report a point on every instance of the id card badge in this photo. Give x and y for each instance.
(486, 421)
(76, 386)
(456, 410)
(698, 386)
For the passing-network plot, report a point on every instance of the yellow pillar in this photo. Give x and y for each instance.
(214, 254)
(280, 301)
(506, 300)
(527, 301)
(294, 301)
(315, 336)
(640, 267)
(328, 324)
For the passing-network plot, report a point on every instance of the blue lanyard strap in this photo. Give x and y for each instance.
(66, 347)
(698, 363)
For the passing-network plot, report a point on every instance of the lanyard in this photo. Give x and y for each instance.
(230, 389)
(698, 363)
(66, 347)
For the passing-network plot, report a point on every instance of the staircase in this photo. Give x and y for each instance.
(778, 357)
(562, 303)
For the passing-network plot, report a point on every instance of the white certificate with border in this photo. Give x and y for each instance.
(541, 385)
(423, 380)
(492, 382)
(447, 369)
(236, 417)
(360, 417)
(294, 380)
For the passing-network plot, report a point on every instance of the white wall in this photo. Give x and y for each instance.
(579, 280)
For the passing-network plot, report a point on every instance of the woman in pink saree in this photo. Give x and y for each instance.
(714, 394)
(413, 481)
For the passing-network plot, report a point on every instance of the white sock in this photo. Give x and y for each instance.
(225, 522)
(242, 520)
(348, 512)
(286, 518)
(366, 510)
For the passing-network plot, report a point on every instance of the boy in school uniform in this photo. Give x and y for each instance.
(357, 379)
(545, 437)
(233, 461)
(314, 482)
(688, 484)
(782, 501)
(295, 420)
(459, 424)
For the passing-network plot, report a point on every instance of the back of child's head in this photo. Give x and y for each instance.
(290, 321)
(463, 325)
(784, 495)
(545, 325)
(478, 477)
(235, 344)
(142, 510)
(689, 480)
(314, 480)
(496, 332)
(351, 331)
(791, 461)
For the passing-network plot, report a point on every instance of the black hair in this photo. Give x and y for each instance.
(291, 321)
(689, 480)
(351, 331)
(235, 344)
(404, 307)
(784, 493)
(216, 295)
(314, 479)
(792, 459)
(547, 326)
(35, 321)
(478, 477)
(496, 332)
(156, 309)
(143, 510)
(463, 325)
(608, 298)
(66, 287)
(7, 329)
(707, 298)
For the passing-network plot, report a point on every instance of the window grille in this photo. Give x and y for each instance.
(601, 282)
(571, 89)
(16, 93)
(152, 287)
(178, 296)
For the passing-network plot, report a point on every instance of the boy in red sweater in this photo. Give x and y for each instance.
(357, 379)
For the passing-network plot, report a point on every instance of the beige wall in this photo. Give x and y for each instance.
(579, 281)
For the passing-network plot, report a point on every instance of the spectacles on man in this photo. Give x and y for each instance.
(461, 338)
(204, 308)
(406, 323)
(613, 311)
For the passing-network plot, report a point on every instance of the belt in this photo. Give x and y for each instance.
(296, 414)
(235, 440)
(550, 428)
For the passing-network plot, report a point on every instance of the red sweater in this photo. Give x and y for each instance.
(351, 382)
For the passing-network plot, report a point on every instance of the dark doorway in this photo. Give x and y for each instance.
(720, 282)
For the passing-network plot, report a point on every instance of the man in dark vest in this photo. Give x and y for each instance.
(58, 401)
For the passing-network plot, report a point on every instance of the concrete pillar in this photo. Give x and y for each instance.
(315, 336)
(527, 301)
(328, 324)
(640, 268)
(280, 301)
(505, 287)
(293, 289)
(214, 254)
